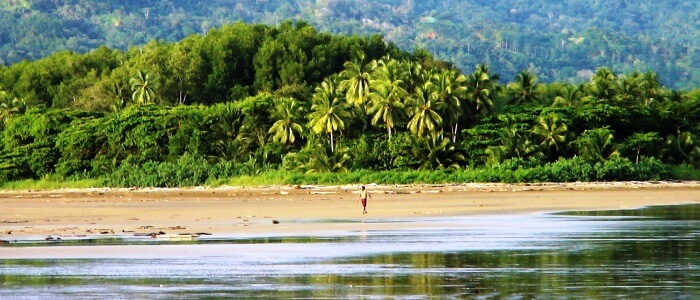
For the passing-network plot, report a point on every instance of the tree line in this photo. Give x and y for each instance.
(248, 99)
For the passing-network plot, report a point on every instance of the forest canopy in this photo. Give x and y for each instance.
(249, 99)
(559, 41)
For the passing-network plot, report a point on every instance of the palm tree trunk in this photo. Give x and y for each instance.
(388, 129)
(454, 134)
(332, 150)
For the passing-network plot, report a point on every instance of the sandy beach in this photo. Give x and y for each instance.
(232, 211)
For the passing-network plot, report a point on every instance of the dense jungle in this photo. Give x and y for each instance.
(294, 103)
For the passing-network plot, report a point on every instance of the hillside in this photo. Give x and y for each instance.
(562, 41)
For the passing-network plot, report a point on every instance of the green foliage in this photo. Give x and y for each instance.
(418, 105)
(188, 170)
(685, 172)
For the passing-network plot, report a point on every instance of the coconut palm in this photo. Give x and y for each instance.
(567, 95)
(598, 145)
(627, 89)
(435, 153)
(143, 88)
(423, 112)
(481, 89)
(514, 144)
(525, 89)
(329, 110)
(313, 158)
(286, 129)
(651, 89)
(449, 89)
(10, 107)
(551, 132)
(386, 103)
(356, 81)
(684, 147)
(387, 93)
(413, 74)
(602, 84)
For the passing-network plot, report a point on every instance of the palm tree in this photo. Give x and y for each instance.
(651, 89)
(567, 95)
(313, 158)
(143, 88)
(513, 145)
(119, 102)
(627, 89)
(329, 109)
(386, 103)
(412, 74)
(684, 147)
(602, 84)
(226, 134)
(286, 128)
(598, 145)
(551, 132)
(449, 89)
(423, 112)
(10, 106)
(387, 93)
(525, 89)
(481, 89)
(435, 153)
(356, 81)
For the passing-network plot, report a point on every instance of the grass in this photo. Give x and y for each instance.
(280, 177)
(49, 184)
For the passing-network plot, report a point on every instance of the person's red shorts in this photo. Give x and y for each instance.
(364, 201)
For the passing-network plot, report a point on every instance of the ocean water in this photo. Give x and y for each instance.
(648, 253)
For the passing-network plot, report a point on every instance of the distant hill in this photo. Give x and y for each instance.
(557, 40)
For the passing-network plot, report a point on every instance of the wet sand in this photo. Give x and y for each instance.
(238, 211)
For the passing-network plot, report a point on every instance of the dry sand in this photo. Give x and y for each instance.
(237, 211)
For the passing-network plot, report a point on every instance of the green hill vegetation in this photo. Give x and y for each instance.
(559, 41)
(291, 105)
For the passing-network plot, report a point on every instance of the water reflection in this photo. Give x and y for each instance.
(651, 253)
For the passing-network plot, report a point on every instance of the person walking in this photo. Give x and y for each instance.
(364, 194)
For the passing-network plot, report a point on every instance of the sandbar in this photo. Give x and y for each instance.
(300, 210)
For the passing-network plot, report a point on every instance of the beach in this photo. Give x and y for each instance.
(246, 211)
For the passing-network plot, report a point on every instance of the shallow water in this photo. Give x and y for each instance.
(651, 253)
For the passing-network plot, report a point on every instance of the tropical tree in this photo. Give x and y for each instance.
(286, 129)
(313, 158)
(143, 88)
(224, 133)
(651, 89)
(597, 145)
(684, 147)
(514, 144)
(566, 95)
(481, 89)
(387, 93)
(10, 106)
(449, 89)
(423, 112)
(356, 79)
(119, 101)
(329, 110)
(602, 85)
(641, 140)
(551, 132)
(435, 153)
(386, 103)
(525, 89)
